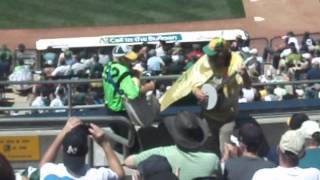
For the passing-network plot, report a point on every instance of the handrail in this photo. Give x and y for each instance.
(164, 77)
(81, 81)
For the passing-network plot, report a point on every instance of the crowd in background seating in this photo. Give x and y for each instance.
(291, 61)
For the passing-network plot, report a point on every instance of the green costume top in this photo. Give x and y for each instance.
(123, 81)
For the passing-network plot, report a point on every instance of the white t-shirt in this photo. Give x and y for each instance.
(248, 94)
(294, 40)
(62, 70)
(58, 171)
(76, 67)
(38, 102)
(56, 102)
(282, 173)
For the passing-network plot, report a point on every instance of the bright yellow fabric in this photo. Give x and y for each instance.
(196, 76)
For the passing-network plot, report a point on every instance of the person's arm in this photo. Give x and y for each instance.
(147, 87)
(129, 162)
(245, 76)
(113, 161)
(51, 153)
(132, 161)
(129, 88)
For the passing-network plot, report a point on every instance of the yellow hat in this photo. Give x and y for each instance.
(214, 46)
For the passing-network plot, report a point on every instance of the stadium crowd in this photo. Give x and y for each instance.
(293, 60)
(245, 155)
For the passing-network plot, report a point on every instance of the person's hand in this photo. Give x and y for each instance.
(148, 86)
(229, 151)
(97, 133)
(242, 69)
(71, 123)
(136, 175)
(200, 95)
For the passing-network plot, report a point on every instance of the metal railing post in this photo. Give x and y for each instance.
(69, 99)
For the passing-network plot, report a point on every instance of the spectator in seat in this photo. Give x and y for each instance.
(4, 67)
(291, 149)
(296, 120)
(154, 63)
(7, 55)
(38, 101)
(311, 131)
(307, 42)
(254, 65)
(189, 154)
(57, 101)
(291, 38)
(195, 53)
(62, 70)
(103, 55)
(69, 58)
(96, 68)
(50, 57)
(78, 68)
(73, 138)
(250, 138)
(161, 48)
(155, 167)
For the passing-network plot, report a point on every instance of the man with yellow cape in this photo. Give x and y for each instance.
(217, 65)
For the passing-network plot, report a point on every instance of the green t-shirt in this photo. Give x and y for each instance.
(191, 164)
(293, 58)
(112, 98)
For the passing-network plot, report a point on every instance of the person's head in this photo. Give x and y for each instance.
(68, 54)
(75, 148)
(152, 52)
(250, 136)
(76, 58)
(291, 148)
(60, 92)
(188, 131)
(293, 48)
(306, 34)
(218, 53)
(95, 58)
(311, 131)
(6, 171)
(196, 46)
(296, 120)
(124, 54)
(156, 167)
(162, 43)
(21, 47)
(290, 34)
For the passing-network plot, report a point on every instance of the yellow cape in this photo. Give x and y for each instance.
(195, 76)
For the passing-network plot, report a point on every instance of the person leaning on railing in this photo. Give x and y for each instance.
(118, 81)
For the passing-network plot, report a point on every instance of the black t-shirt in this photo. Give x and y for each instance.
(243, 168)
